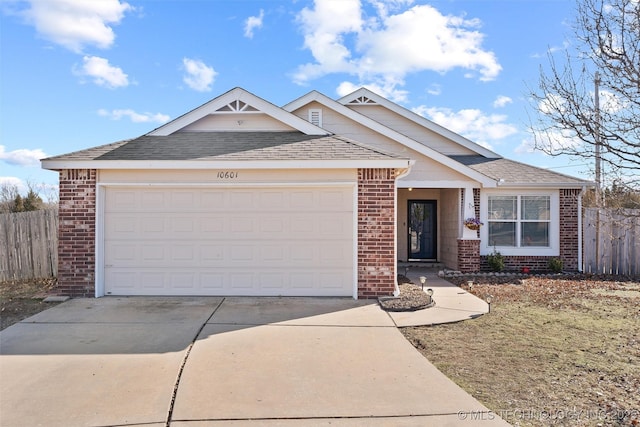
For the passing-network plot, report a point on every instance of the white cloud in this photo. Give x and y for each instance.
(134, 116)
(12, 181)
(75, 24)
(471, 123)
(390, 46)
(324, 30)
(435, 89)
(22, 157)
(199, 76)
(385, 89)
(502, 101)
(102, 73)
(549, 142)
(252, 23)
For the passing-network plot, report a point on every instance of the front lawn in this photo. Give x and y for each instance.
(552, 351)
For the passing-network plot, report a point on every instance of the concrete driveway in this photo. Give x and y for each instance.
(222, 362)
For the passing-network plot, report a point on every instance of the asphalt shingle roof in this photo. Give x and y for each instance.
(232, 146)
(515, 172)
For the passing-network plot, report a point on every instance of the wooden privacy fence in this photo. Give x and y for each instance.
(614, 247)
(29, 245)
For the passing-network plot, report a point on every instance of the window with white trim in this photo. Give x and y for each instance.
(520, 222)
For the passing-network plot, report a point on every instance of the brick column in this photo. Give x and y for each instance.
(569, 228)
(468, 255)
(77, 233)
(376, 232)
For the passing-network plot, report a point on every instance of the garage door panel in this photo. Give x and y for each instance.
(249, 241)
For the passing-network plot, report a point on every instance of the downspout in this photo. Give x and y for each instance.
(402, 174)
(580, 231)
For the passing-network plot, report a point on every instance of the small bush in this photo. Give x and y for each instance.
(555, 265)
(495, 261)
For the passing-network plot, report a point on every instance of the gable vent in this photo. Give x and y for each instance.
(363, 100)
(236, 107)
(315, 117)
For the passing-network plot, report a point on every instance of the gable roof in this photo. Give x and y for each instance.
(364, 96)
(388, 132)
(208, 149)
(238, 101)
(509, 173)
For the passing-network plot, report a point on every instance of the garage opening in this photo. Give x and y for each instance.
(249, 241)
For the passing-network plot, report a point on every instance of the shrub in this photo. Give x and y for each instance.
(555, 265)
(495, 261)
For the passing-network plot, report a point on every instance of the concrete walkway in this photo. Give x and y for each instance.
(453, 304)
(223, 362)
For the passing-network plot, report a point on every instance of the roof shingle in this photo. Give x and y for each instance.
(236, 146)
(512, 172)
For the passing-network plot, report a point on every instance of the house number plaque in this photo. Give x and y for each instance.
(227, 175)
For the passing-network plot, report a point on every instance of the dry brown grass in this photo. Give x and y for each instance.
(20, 299)
(552, 351)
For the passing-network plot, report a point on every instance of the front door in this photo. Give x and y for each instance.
(422, 230)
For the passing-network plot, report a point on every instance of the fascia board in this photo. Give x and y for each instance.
(234, 164)
(388, 132)
(416, 184)
(422, 121)
(530, 185)
(302, 101)
(244, 96)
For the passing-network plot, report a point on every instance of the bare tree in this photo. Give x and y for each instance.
(588, 100)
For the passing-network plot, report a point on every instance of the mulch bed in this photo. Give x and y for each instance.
(411, 298)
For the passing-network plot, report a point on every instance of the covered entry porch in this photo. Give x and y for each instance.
(430, 226)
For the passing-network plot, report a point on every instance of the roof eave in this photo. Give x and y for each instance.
(545, 184)
(227, 164)
(421, 121)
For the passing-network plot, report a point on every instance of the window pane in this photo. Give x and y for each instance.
(503, 207)
(502, 233)
(535, 207)
(535, 234)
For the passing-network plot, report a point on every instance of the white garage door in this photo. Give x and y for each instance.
(220, 241)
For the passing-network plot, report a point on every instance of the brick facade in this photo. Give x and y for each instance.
(77, 233)
(376, 232)
(468, 255)
(569, 228)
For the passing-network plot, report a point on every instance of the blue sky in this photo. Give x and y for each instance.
(79, 73)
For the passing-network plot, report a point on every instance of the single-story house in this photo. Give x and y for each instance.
(320, 197)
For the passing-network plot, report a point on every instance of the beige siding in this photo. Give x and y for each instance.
(449, 226)
(425, 169)
(237, 122)
(212, 176)
(411, 129)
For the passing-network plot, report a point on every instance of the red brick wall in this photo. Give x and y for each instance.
(569, 228)
(516, 263)
(77, 232)
(468, 255)
(376, 232)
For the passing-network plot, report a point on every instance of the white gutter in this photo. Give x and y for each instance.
(396, 290)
